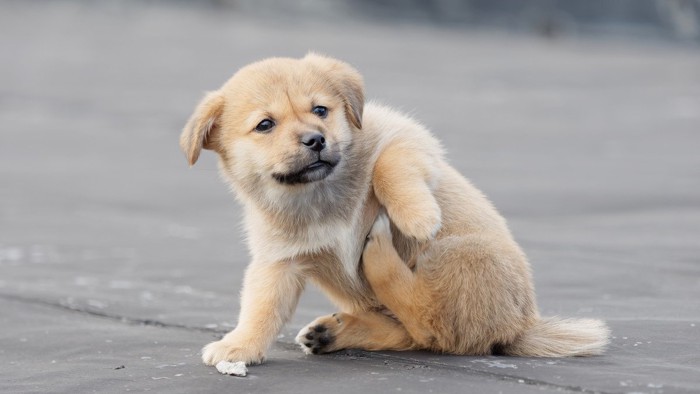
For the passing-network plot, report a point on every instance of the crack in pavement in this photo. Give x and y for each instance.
(291, 346)
(94, 313)
(493, 375)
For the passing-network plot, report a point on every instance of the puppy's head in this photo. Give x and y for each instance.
(279, 122)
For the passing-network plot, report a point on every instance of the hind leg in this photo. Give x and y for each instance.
(468, 294)
(362, 330)
(395, 285)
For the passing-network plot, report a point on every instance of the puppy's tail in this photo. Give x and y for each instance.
(554, 337)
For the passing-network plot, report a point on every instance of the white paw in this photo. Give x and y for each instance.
(225, 350)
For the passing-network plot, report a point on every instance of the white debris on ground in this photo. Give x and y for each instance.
(228, 368)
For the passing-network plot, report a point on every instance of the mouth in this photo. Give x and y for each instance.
(313, 172)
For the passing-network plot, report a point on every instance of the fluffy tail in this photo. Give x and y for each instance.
(554, 337)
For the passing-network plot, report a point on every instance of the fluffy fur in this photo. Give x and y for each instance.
(439, 269)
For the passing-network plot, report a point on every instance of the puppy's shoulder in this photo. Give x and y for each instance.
(388, 126)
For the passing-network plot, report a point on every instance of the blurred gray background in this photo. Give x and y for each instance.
(668, 19)
(579, 119)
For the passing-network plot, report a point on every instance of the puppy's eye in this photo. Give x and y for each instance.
(320, 111)
(265, 126)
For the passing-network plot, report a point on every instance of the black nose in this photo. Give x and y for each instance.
(314, 141)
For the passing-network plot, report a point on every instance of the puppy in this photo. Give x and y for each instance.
(358, 199)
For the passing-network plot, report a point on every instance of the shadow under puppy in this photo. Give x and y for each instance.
(317, 170)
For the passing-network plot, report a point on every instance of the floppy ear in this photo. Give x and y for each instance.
(347, 81)
(202, 126)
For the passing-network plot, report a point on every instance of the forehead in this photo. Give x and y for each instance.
(276, 84)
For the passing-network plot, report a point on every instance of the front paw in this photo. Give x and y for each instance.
(320, 335)
(422, 224)
(227, 350)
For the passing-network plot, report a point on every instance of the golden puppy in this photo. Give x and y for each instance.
(317, 170)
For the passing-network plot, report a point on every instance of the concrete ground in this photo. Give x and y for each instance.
(117, 262)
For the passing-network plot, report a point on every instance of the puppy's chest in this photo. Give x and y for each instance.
(337, 246)
(333, 242)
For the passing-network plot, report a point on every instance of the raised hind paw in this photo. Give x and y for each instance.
(379, 241)
(381, 229)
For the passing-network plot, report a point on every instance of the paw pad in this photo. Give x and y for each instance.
(317, 339)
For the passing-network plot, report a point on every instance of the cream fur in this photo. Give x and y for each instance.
(440, 272)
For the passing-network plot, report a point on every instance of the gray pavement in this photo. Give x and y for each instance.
(117, 262)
